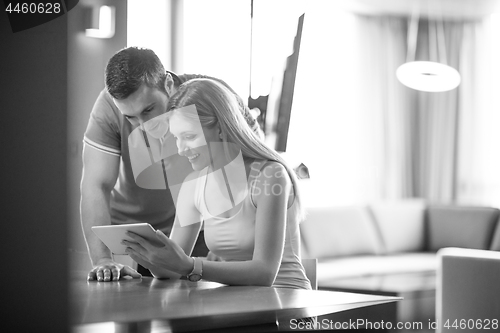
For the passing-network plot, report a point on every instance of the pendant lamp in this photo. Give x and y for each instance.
(430, 76)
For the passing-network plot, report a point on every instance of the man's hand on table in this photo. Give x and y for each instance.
(107, 270)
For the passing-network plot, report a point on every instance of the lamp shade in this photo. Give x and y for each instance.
(428, 76)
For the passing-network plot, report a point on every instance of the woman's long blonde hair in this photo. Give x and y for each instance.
(215, 104)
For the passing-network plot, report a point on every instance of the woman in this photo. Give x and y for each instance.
(242, 190)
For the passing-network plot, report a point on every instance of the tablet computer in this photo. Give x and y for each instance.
(112, 235)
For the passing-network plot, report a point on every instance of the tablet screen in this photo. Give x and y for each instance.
(112, 235)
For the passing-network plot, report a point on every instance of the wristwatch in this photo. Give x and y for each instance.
(196, 274)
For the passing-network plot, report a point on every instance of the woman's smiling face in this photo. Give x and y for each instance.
(191, 139)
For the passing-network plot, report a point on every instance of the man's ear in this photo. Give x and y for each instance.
(169, 85)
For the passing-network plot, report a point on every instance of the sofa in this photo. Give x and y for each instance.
(390, 248)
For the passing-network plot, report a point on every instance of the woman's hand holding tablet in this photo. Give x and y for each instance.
(113, 235)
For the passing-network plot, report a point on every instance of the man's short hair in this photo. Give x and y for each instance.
(131, 67)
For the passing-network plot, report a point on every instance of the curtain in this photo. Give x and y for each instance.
(388, 105)
(419, 130)
(437, 130)
(478, 177)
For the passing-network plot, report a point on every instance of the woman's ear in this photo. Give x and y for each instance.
(169, 85)
(219, 130)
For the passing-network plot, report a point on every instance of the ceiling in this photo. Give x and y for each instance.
(449, 9)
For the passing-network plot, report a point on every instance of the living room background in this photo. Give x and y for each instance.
(362, 134)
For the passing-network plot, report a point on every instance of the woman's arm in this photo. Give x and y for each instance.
(271, 198)
(270, 228)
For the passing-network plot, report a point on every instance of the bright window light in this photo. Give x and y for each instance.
(216, 41)
(148, 26)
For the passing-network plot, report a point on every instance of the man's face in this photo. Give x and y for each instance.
(143, 105)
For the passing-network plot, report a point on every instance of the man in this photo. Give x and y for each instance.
(137, 89)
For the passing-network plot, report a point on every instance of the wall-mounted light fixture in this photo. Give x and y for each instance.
(432, 76)
(102, 22)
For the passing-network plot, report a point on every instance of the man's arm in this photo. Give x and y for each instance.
(100, 172)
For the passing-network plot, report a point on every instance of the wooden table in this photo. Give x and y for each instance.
(153, 305)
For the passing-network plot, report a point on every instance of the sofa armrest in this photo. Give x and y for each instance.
(467, 289)
(495, 243)
(460, 226)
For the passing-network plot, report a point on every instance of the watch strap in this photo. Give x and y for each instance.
(197, 269)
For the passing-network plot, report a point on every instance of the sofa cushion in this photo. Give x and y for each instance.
(339, 231)
(404, 284)
(350, 267)
(401, 224)
(460, 226)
